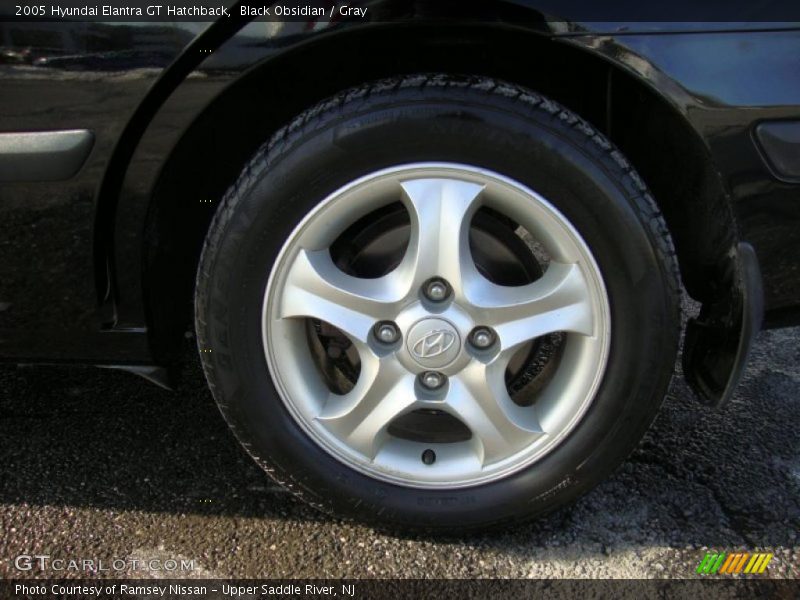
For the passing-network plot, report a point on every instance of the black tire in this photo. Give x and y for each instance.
(477, 121)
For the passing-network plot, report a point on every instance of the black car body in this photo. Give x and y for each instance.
(102, 225)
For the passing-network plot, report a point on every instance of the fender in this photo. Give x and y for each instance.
(560, 18)
(108, 194)
(173, 104)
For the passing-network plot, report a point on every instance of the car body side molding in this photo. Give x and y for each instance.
(43, 155)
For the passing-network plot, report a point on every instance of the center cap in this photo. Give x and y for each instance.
(433, 343)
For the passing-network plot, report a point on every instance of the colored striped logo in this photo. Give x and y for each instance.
(733, 563)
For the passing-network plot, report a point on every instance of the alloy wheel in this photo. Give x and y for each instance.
(435, 336)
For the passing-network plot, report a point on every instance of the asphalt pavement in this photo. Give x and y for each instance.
(101, 465)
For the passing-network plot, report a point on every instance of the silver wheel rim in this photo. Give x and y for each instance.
(355, 427)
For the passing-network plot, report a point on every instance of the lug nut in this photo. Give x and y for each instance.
(482, 337)
(432, 380)
(436, 290)
(387, 332)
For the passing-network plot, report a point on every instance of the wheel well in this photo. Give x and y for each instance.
(212, 152)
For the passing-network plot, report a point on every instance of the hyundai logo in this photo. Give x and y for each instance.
(433, 343)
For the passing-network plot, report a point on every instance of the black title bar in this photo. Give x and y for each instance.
(785, 12)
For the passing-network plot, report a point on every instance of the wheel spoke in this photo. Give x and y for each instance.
(361, 417)
(441, 211)
(316, 287)
(478, 397)
(559, 301)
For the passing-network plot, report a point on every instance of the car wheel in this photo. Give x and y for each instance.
(438, 302)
